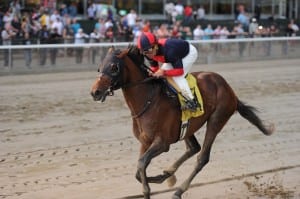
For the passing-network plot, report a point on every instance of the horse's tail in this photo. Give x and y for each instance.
(248, 112)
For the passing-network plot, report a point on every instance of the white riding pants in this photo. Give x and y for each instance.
(187, 62)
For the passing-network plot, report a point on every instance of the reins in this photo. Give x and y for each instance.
(132, 84)
(146, 105)
(149, 98)
(151, 94)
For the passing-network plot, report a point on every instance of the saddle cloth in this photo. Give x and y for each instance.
(187, 114)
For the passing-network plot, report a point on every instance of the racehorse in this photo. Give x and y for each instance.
(157, 118)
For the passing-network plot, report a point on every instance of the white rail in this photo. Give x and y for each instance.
(125, 44)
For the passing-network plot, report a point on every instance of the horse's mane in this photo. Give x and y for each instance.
(138, 58)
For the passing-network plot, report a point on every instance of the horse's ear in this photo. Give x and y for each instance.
(132, 50)
(123, 53)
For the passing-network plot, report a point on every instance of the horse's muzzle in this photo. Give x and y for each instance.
(97, 95)
(100, 95)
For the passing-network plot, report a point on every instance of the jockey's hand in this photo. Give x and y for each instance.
(158, 73)
(150, 73)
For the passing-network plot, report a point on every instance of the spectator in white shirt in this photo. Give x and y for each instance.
(91, 11)
(200, 13)
(54, 16)
(80, 37)
(198, 32)
(108, 24)
(58, 25)
(7, 34)
(8, 17)
(94, 38)
(16, 8)
(179, 8)
(169, 7)
(224, 33)
(253, 26)
(131, 18)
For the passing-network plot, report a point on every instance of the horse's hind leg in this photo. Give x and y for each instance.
(192, 147)
(214, 126)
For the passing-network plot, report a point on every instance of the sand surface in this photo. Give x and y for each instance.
(56, 142)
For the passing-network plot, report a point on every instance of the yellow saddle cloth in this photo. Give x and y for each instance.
(187, 114)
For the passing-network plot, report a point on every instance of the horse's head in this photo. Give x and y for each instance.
(114, 71)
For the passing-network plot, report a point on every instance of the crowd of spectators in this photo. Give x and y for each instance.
(46, 26)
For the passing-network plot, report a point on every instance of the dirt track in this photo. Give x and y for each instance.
(58, 143)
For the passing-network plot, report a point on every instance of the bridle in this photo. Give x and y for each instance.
(114, 71)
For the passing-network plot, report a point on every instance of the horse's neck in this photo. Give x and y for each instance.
(136, 95)
(138, 98)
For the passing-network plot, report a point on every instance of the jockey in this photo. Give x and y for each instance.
(177, 57)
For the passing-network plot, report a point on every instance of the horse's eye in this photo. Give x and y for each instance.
(114, 68)
(98, 70)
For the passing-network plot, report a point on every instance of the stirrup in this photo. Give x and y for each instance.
(190, 105)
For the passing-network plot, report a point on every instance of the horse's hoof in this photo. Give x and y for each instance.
(176, 197)
(146, 196)
(171, 180)
(177, 194)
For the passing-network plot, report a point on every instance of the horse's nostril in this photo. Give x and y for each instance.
(96, 95)
(97, 92)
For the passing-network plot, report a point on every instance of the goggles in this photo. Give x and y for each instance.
(148, 51)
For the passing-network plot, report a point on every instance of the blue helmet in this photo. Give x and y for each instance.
(146, 40)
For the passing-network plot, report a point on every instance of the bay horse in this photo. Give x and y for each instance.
(157, 118)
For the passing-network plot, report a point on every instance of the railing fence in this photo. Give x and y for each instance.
(64, 57)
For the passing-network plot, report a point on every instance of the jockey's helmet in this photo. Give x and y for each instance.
(146, 41)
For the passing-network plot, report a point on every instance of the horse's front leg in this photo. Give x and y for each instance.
(192, 147)
(156, 148)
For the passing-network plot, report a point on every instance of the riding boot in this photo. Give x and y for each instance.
(190, 104)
